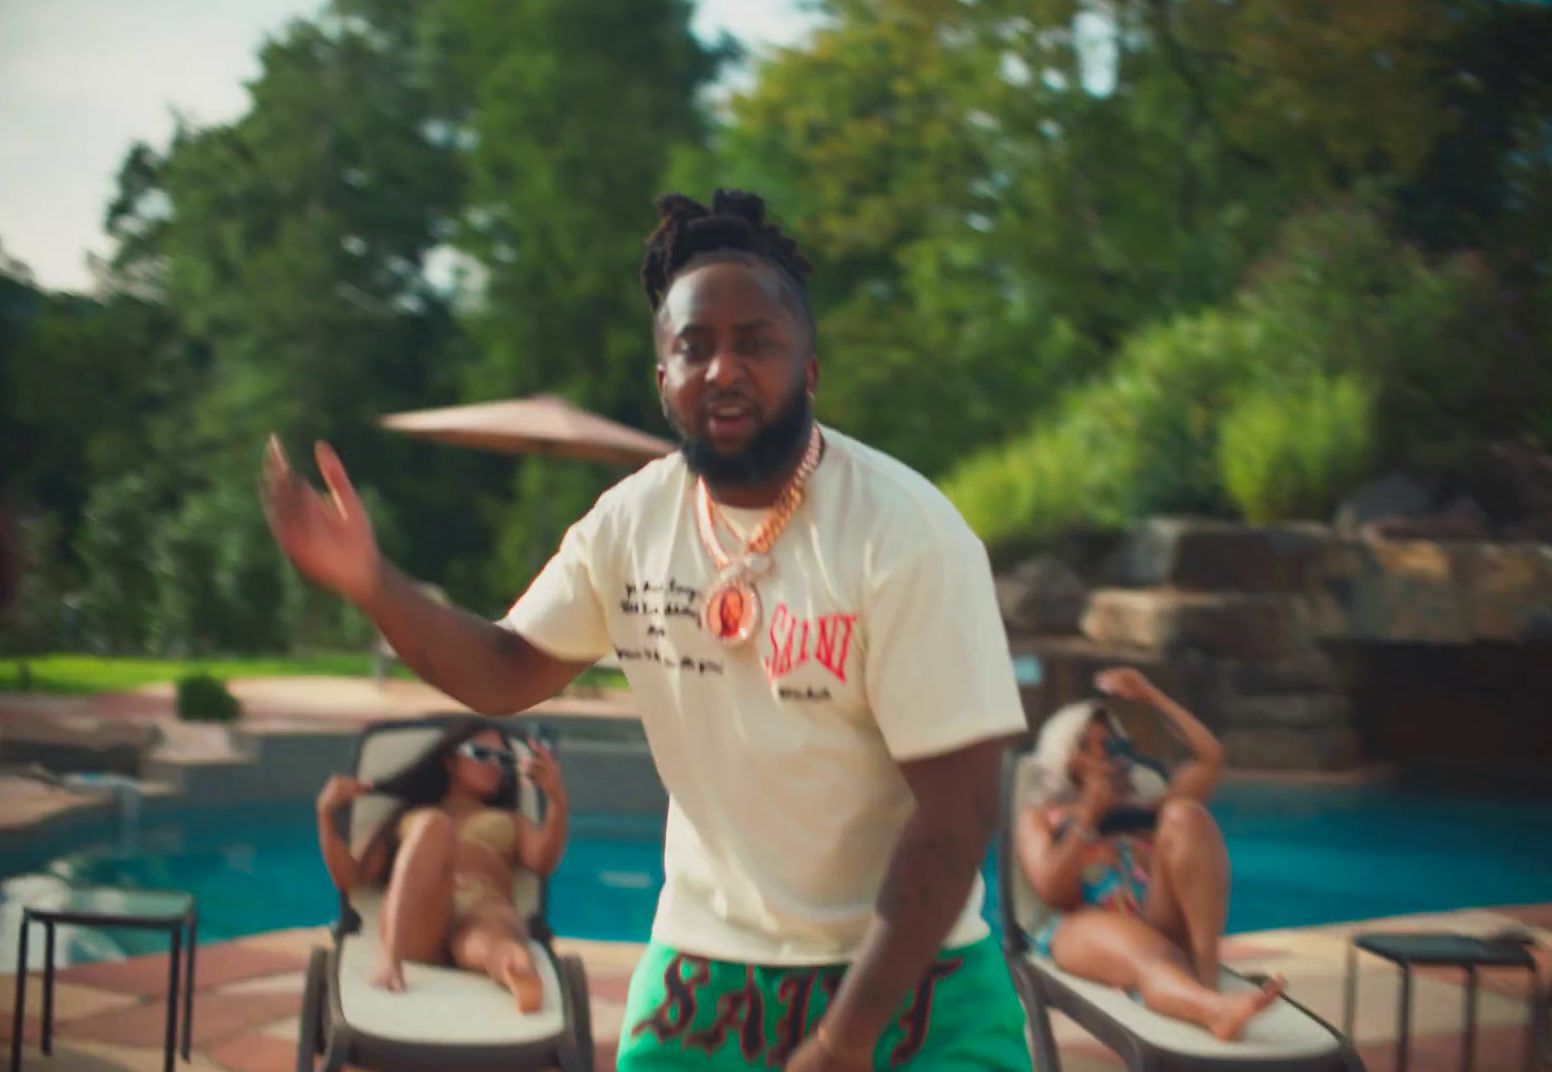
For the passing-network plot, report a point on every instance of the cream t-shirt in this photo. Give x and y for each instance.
(880, 642)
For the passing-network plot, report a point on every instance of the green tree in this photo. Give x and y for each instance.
(987, 222)
(37, 622)
(578, 109)
(293, 245)
(297, 239)
(112, 546)
(577, 112)
(89, 389)
(999, 193)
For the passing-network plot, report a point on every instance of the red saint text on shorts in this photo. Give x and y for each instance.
(918, 1018)
(793, 992)
(743, 1011)
(678, 997)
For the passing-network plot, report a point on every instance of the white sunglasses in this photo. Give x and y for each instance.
(484, 753)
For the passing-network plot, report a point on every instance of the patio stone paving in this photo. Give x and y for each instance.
(111, 1016)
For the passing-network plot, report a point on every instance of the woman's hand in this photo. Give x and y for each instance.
(1099, 793)
(340, 790)
(541, 847)
(344, 869)
(1198, 776)
(1127, 683)
(541, 769)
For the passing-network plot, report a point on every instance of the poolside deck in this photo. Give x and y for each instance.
(271, 707)
(289, 702)
(110, 1015)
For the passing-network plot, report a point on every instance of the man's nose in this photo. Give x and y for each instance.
(725, 367)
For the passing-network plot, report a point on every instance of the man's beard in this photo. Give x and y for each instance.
(774, 450)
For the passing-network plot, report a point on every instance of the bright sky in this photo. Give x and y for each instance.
(81, 80)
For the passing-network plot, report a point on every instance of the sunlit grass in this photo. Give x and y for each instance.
(71, 674)
(85, 674)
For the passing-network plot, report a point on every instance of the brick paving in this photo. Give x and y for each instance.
(111, 1016)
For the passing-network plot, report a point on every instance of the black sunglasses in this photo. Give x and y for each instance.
(1120, 748)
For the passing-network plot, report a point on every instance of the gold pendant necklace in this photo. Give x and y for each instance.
(732, 610)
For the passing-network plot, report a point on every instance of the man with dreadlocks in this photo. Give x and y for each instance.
(810, 632)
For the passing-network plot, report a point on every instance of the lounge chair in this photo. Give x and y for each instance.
(1285, 1038)
(447, 1020)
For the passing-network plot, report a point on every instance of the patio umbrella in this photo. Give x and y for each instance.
(543, 424)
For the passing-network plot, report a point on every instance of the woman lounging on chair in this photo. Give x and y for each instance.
(450, 852)
(1133, 864)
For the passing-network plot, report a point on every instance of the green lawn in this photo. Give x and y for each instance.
(96, 673)
(75, 674)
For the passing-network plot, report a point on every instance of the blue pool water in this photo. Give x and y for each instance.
(1300, 857)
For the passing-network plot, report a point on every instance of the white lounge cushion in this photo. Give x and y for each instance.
(1282, 1032)
(440, 1005)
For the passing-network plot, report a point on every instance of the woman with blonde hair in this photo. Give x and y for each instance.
(1131, 862)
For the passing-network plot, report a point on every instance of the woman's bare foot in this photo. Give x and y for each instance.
(1243, 1006)
(515, 971)
(390, 977)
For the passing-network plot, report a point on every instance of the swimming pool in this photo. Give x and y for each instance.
(1300, 857)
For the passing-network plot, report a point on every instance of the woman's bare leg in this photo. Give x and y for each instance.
(418, 907)
(494, 941)
(1188, 892)
(1126, 952)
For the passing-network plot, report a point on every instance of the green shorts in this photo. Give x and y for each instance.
(687, 1012)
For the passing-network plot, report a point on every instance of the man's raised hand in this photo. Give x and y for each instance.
(328, 538)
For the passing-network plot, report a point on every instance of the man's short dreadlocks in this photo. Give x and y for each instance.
(734, 224)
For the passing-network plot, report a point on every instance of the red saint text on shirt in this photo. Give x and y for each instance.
(794, 641)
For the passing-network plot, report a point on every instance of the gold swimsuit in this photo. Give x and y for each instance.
(496, 831)
(493, 828)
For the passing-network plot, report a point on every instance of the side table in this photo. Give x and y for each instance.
(1435, 950)
(174, 913)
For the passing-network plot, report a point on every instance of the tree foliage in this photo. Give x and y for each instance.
(1068, 252)
(1342, 322)
(1001, 193)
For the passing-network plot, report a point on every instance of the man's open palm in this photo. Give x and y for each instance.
(329, 538)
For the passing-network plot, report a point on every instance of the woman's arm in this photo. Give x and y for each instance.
(344, 869)
(1198, 776)
(1053, 874)
(1054, 866)
(540, 847)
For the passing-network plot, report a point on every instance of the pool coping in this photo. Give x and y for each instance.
(296, 708)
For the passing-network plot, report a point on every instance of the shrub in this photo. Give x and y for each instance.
(1285, 455)
(1453, 364)
(202, 698)
(1135, 441)
(1380, 358)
